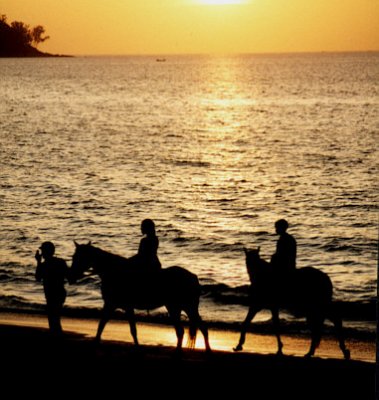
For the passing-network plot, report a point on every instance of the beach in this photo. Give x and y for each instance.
(214, 150)
(29, 353)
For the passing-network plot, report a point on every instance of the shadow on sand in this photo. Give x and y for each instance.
(76, 362)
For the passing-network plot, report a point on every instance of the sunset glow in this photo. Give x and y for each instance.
(221, 2)
(200, 26)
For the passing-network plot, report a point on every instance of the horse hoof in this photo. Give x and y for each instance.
(308, 355)
(237, 348)
(178, 354)
(346, 354)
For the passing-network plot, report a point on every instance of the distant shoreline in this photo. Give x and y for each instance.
(19, 40)
(37, 54)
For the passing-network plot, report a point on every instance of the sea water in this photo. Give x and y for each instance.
(213, 149)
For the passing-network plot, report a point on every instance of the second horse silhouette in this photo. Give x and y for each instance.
(306, 292)
(124, 286)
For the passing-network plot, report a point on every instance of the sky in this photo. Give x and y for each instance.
(85, 27)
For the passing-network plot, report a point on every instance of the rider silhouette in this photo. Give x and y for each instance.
(284, 259)
(147, 256)
(52, 272)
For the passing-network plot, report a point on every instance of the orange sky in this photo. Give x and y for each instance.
(191, 26)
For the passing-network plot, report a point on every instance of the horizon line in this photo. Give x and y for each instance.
(223, 54)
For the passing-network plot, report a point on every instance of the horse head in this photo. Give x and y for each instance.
(253, 261)
(252, 255)
(81, 260)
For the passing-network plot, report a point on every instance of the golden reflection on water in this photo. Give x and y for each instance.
(222, 124)
(215, 151)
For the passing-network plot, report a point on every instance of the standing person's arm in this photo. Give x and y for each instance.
(38, 274)
(66, 271)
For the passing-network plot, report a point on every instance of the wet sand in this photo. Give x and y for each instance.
(30, 355)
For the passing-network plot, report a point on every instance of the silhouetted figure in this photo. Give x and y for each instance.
(308, 294)
(52, 272)
(147, 256)
(284, 259)
(122, 287)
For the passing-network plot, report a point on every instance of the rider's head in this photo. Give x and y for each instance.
(281, 226)
(47, 249)
(148, 227)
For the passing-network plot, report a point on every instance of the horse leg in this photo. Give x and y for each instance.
(337, 321)
(105, 317)
(175, 317)
(204, 330)
(245, 324)
(132, 324)
(197, 322)
(316, 324)
(276, 322)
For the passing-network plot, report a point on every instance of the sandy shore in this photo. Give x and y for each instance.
(30, 354)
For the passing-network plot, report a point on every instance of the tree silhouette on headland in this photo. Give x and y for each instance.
(17, 39)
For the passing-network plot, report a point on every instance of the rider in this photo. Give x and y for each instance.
(52, 272)
(284, 259)
(147, 256)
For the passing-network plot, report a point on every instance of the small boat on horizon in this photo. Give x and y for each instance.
(160, 60)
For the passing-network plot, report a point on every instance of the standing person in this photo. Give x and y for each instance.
(52, 272)
(284, 259)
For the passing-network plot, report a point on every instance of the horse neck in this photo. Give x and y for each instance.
(97, 260)
(258, 268)
(104, 263)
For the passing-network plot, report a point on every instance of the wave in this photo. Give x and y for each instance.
(17, 303)
(224, 294)
(200, 245)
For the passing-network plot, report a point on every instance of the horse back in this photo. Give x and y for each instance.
(179, 279)
(312, 284)
(149, 290)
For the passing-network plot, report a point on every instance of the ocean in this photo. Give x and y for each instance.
(214, 149)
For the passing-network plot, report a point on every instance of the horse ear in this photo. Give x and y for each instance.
(89, 243)
(76, 244)
(258, 249)
(245, 250)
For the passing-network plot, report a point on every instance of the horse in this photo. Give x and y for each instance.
(127, 287)
(305, 292)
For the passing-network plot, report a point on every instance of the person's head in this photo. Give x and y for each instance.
(148, 227)
(281, 226)
(47, 249)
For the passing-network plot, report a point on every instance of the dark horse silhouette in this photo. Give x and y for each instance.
(306, 292)
(124, 286)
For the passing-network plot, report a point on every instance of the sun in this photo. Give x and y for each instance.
(221, 2)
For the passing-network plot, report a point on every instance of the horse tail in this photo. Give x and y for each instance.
(192, 333)
(193, 312)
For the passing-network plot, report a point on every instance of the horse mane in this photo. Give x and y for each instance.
(113, 259)
(258, 269)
